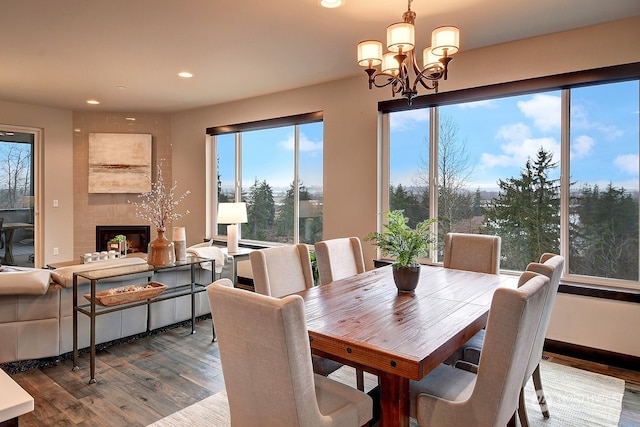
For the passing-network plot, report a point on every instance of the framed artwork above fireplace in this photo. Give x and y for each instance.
(119, 162)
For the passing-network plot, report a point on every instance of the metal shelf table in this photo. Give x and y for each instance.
(92, 310)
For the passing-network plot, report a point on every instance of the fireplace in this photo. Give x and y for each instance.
(138, 236)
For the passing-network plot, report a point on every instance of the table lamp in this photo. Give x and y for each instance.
(232, 214)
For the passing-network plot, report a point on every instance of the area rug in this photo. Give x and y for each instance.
(575, 398)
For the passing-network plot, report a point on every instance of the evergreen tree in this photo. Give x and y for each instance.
(403, 200)
(260, 212)
(604, 233)
(526, 213)
(285, 217)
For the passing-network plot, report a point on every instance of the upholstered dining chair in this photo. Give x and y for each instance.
(266, 364)
(281, 270)
(550, 265)
(453, 397)
(284, 270)
(337, 259)
(472, 252)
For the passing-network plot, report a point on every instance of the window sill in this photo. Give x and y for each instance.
(593, 291)
(603, 292)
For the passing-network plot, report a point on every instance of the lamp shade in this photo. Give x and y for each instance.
(401, 35)
(390, 64)
(445, 39)
(369, 53)
(431, 61)
(232, 213)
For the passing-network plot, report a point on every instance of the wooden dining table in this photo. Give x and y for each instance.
(364, 322)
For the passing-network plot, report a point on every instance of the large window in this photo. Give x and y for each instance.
(277, 171)
(548, 171)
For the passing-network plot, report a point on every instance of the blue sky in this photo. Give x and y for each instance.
(500, 134)
(268, 155)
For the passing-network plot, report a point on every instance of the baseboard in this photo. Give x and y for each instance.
(590, 354)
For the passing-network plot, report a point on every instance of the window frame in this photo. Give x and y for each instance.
(238, 129)
(562, 83)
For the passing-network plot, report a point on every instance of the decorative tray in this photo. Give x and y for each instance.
(128, 293)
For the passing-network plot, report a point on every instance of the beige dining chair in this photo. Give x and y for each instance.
(550, 265)
(282, 271)
(472, 252)
(338, 259)
(266, 364)
(453, 397)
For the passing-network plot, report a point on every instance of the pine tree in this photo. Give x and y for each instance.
(260, 211)
(526, 213)
(604, 233)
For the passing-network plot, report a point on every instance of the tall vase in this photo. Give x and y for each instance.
(160, 252)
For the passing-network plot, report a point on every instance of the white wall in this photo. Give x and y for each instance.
(351, 145)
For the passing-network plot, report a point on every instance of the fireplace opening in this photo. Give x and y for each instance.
(138, 236)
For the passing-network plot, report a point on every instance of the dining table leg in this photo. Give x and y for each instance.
(394, 400)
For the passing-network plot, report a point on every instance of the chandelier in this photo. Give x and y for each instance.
(396, 64)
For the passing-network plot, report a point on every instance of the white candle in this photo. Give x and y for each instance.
(179, 234)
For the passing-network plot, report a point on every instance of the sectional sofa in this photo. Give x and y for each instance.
(36, 308)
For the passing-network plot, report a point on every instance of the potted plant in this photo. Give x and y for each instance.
(119, 244)
(405, 245)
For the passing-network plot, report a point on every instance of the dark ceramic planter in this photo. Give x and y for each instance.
(406, 278)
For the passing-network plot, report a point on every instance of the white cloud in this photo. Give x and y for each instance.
(581, 146)
(628, 163)
(519, 146)
(489, 103)
(580, 121)
(543, 109)
(306, 145)
(405, 120)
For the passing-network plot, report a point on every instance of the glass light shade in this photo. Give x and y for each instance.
(390, 64)
(431, 61)
(232, 213)
(401, 35)
(369, 51)
(445, 39)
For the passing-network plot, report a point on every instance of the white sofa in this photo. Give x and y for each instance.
(36, 308)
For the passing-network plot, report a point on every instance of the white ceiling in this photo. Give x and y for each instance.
(127, 53)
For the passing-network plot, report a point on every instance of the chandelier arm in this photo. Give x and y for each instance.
(390, 80)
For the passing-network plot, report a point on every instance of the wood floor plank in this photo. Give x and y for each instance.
(142, 381)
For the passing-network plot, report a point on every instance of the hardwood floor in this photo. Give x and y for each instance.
(145, 380)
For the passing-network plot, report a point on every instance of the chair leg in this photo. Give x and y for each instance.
(360, 379)
(537, 383)
(522, 410)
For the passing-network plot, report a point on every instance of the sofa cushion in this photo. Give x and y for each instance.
(23, 281)
(64, 275)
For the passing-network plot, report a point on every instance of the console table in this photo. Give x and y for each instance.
(92, 310)
(14, 401)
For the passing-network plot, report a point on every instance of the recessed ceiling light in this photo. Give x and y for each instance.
(122, 87)
(332, 4)
(131, 119)
(93, 101)
(185, 74)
